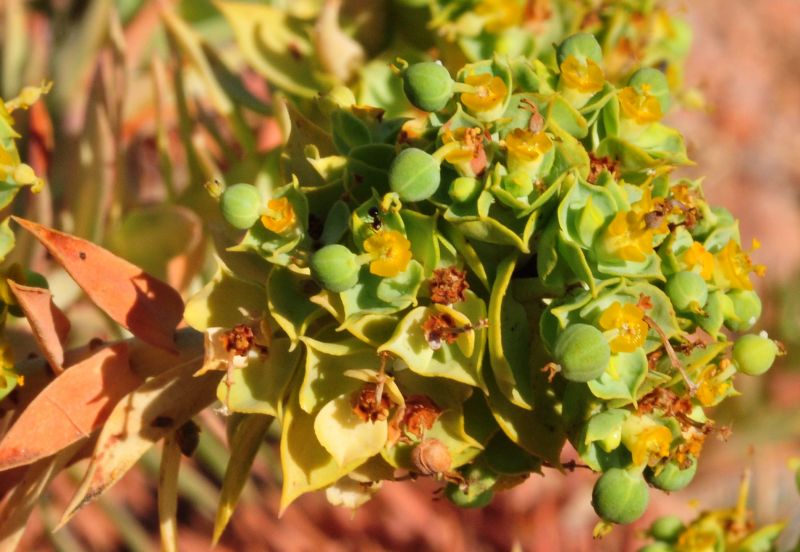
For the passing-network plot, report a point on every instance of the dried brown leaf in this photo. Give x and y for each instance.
(70, 408)
(140, 420)
(50, 326)
(146, 306)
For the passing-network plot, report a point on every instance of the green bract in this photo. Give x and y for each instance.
(241, 205)
(620, 496)
(428, 85)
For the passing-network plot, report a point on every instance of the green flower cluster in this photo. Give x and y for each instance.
(305, 47)
(725, 529)
(14, 176)
(459, 294)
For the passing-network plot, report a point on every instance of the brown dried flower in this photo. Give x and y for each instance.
(448, 285)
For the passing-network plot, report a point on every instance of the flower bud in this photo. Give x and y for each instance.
(671, 477)
(582, 352)
(620, 496)
(241, 205)
(667, 528)
(754, 354)
(687, 291)
(428, 85)
(464, 189)
(746, 310)
(414, 175)
(335, 267)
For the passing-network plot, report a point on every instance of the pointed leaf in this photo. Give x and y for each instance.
(168, 493)
(18, 506)
(244, 445)
(75, 404)
(146, 306)
(140, 420)
(50, 326)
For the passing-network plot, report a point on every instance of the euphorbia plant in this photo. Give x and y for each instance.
(456, 269)
(458, 294)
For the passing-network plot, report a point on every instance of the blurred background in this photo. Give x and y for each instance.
(746, 142)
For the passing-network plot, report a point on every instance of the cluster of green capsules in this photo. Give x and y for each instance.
(458, 294)
(729, 529)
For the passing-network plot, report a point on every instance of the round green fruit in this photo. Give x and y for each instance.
(667, 528)
(671, 477)
(241, 205)
(620, 496)
(335, 267)
(428, 85)
(746, 308)
(754, 354)
(414, 175)
(582, 352)
(582, 46)
(687, 291)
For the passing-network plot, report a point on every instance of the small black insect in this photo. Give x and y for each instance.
(376, 219)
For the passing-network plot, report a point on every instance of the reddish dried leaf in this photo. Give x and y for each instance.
(75, 404)
(146, 306)
(50, 326)
(141, 419)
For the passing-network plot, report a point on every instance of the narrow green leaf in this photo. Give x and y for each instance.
(247, 438)
(168, 493)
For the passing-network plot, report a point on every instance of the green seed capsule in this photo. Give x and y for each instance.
(241, 205)
(746, 309)
(428, 86)
(667, 528)
(754, 354)
(687, 291)
(582, 352)
(464, 189)
(582, 46)
(335, 267)
(620, 496)
(671, 477)
(414, 175)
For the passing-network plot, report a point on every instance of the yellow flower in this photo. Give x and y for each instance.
(651, 444)
(630, 234)
(391, 253)
(698, 538)
(628, 237)
(585, 77)
(499, 15)
(642, 108)
(468, 154)
(525, 146)
(280, 215)
(628, 321)
(697, 256)
(711, 388)
(489, 92)
(733, 266)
